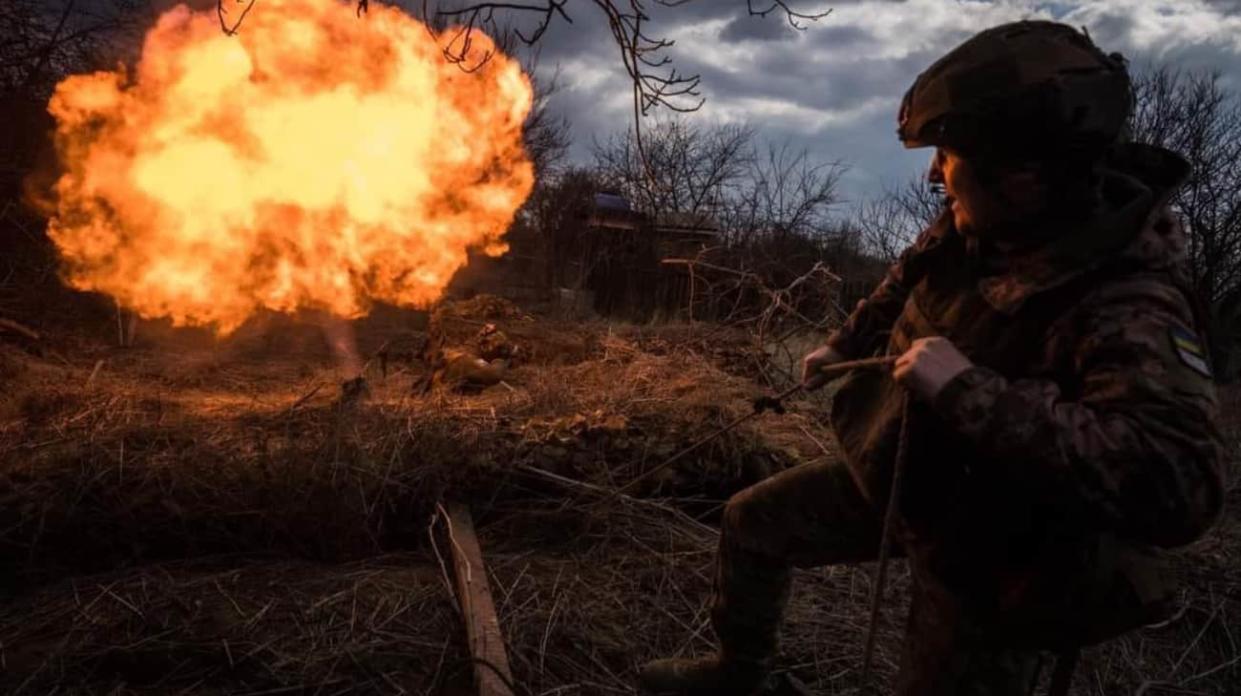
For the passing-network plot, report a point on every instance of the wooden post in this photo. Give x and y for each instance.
(492, 675)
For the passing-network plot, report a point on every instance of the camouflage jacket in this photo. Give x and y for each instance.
(1089, 416)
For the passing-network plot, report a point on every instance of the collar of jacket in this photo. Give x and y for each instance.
(1133, 225)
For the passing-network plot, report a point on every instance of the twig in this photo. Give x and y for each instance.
(91, 380)
(1211, 619)
(303, 399)
(221, 11)
(14, 327)
(1213, 670)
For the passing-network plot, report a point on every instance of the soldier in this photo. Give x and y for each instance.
(1062, 422)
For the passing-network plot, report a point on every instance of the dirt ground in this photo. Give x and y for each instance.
(202, 515)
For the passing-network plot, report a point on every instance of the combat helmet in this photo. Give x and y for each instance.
(1020, 90)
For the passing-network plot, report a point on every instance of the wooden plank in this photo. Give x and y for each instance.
(492, 675)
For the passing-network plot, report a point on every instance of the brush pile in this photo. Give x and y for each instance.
(198, 517)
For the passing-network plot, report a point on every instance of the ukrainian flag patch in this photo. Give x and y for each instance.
(1190, 351)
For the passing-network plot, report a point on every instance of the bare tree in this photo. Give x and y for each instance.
(882, 226)
(784, 193)
(42, 41)
(1192, 114)
(754, 193)
(921, 200)
(687, 169)
(771, 270)
(37, 39)
(885, 225)
(776, 222)
(545, 132)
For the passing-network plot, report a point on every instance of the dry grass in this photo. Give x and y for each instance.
(166, 455)
(236, 625)
(207, 518)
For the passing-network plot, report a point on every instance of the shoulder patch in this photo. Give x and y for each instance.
(1189, 349)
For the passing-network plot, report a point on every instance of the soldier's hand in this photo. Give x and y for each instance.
(929, 365)
(812, 365)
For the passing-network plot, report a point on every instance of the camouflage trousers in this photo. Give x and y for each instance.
(814, 515)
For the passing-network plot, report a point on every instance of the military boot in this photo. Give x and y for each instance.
(703, 676)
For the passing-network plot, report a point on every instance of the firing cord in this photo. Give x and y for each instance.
(885, 540)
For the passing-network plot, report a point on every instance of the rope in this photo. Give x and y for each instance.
(1066, 661)
(885, 540)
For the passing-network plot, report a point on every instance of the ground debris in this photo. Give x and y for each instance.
(213, 522)
(165, 454)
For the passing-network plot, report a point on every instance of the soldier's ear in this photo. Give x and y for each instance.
(1024, 187)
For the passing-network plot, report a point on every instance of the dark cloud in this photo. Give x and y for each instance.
(745, 28)
(849, 36)
(1229, 6)
(835, 84)
(1111, 29)
(835, 87)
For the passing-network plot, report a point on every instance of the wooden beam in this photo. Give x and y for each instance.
(492, 675)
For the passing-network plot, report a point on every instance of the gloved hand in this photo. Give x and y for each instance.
(811, 365)
(929, 365)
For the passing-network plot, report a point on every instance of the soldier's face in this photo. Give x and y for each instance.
(981, 207)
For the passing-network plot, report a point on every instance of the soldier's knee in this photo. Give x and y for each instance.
(738, 514)
(730, 522)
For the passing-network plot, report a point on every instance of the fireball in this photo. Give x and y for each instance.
(313, 160)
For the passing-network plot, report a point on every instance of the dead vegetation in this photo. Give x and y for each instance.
(190, 517)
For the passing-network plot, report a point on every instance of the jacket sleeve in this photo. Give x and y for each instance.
(1135, 444)
(866, 330)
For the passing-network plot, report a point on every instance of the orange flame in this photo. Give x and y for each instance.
(313, 160)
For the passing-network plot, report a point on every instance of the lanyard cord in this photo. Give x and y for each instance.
(885, 540)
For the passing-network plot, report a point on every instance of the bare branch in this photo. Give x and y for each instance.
(796, 19)
(221, 11)
(44, 41)
(656, 83)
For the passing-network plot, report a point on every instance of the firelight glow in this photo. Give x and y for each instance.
(313, 160)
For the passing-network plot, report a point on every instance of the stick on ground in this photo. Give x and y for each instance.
(492, 675)
(10, 326)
